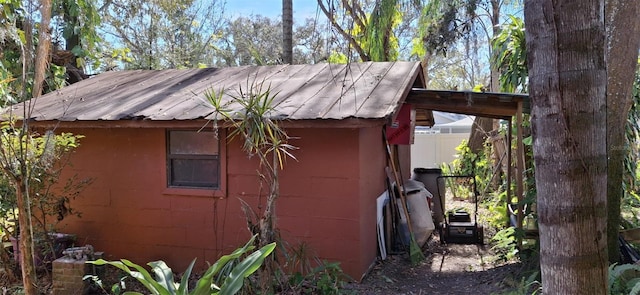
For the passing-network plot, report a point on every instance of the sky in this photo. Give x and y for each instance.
(271, 8)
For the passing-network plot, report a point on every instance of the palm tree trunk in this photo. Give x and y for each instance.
(287, 31)
(567, 71)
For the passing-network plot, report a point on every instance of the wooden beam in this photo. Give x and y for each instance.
(201, 123)
(520, 169)
(492, 105)
(509, 169)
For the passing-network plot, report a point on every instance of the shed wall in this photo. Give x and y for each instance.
(327, 198)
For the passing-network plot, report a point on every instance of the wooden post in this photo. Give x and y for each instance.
(509, 169)
(519, 168)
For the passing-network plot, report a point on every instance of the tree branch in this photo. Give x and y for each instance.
(363, 55)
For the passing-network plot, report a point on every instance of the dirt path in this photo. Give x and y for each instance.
(448, 269)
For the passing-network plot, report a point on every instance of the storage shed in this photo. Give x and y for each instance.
(166, 187)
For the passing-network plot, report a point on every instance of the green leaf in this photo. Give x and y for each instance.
(141, 274)
(249, 265)
(78, 51)
(184, 282)
(164, 275)
(203, 286)
(635, 284)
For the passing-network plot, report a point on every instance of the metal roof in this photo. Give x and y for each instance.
(321, 91)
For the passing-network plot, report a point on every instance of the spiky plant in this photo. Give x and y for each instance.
(252, 121)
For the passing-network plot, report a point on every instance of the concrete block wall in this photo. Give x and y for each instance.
(67, 276)
(328, 198)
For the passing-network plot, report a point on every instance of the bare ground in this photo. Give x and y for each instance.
(447, 269)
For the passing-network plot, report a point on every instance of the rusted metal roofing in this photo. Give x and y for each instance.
(321, 91)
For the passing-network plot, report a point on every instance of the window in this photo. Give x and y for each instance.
(193, 159)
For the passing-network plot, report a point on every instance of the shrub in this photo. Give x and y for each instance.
(163, 282)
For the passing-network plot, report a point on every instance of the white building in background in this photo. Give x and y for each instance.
(437, 145)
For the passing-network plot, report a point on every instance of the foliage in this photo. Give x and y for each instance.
(163, 281)
(259, 132)
(338, 58)
(326, 279)
(250, 40)
(14, 40)
(261, 136)
(624, 279)
(77, 28)
(309, 274)
(457, 71)
(310, 42)
(25, 72)
(370, 29)
(11, 37)
(504, 244)
(498, 215)
(256, 40)
(442, 24)
(511, 56)
(451, 42)
(46, 156)
(162, 34)
(631, 175)
(472, 164)
(74, 26)
(527, 285)
(378, 38)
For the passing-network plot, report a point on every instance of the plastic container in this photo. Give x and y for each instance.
(421, 221)
(429, 177)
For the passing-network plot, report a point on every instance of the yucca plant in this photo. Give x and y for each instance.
(251, 114)
(163, 282)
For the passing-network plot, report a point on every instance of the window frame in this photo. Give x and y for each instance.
(196, 190)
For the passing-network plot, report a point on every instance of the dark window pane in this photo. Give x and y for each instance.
(194, 172)
(193, 143)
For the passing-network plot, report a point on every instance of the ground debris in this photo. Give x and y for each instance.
(448, 269)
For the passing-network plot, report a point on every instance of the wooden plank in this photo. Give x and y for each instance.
(631, 235)
(510, 168)
(519, 169)
(492, 105)
(199, 123)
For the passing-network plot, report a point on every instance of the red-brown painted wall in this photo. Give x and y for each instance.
(327, 198)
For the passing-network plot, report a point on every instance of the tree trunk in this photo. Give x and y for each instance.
(287, 31)
(567, 74)
(268, 226)
(621, 18)
(44, 44)
(481, 126)
(479, 133)
(495, 24)
(25, 244)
